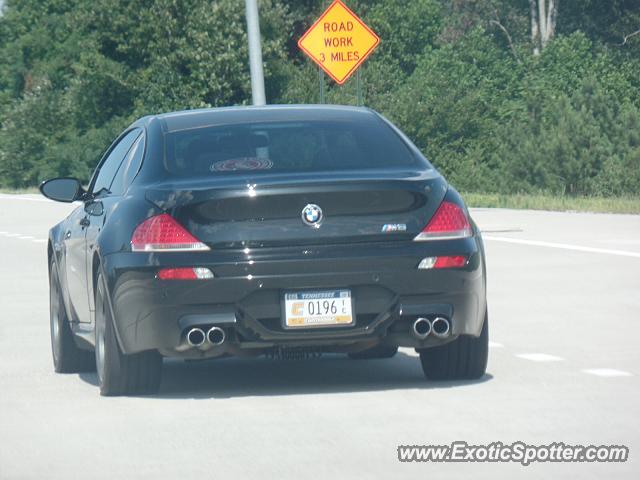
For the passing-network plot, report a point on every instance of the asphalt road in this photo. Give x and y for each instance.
(564, 299)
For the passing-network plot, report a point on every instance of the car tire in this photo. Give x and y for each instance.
(379, 351)
(67, 356)
(462, 359)
(120, 374)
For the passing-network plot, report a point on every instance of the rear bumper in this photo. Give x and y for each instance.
(245, 296)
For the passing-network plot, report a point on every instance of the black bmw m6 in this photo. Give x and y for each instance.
(280, 230)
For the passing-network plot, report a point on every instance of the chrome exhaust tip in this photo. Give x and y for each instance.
(196, 337)
(421, 328)
(216, 336)
(441, 327)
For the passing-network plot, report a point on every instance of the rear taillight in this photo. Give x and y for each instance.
(449, 261)
(163, 233)
(196, 273)
(447, 223)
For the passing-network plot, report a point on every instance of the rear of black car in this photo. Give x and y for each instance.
(296, 229)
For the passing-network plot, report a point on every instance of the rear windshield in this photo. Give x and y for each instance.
(286, 147)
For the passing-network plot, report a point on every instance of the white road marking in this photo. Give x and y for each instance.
(564, 246)
(607, 372)
(539, 357)
(21, 197)
(501, 230)
(24, 237)
(495, 345)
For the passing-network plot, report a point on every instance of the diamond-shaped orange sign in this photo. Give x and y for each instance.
(339, 42)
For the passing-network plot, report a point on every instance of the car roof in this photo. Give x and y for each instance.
(188, 119)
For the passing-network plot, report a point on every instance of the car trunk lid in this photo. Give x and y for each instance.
(267, 211)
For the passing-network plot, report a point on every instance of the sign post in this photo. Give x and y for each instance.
(255, 53)
(339, 42)
(321, 81)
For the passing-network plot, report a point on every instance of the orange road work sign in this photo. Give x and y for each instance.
(339, 42)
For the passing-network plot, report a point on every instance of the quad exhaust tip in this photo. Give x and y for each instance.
(421, 328)
(196, 337)
(440, 327)
(216, 336)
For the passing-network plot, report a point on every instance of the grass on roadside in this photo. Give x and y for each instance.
(554, 203)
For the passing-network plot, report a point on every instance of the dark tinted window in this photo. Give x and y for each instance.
(287, 147)
(129, 168)
(110, 165)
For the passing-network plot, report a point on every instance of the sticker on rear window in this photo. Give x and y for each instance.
(245, 163)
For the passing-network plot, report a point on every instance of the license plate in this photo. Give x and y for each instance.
(319, 308)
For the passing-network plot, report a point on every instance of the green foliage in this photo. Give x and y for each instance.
(608, 22)
(579, 131)
(448, 105)
(74, 74)
(585, 144)
(458, 76)
(566, 121)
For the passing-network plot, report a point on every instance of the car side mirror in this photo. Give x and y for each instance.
(63, 189)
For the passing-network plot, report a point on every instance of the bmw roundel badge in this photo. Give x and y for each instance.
(312, 215)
